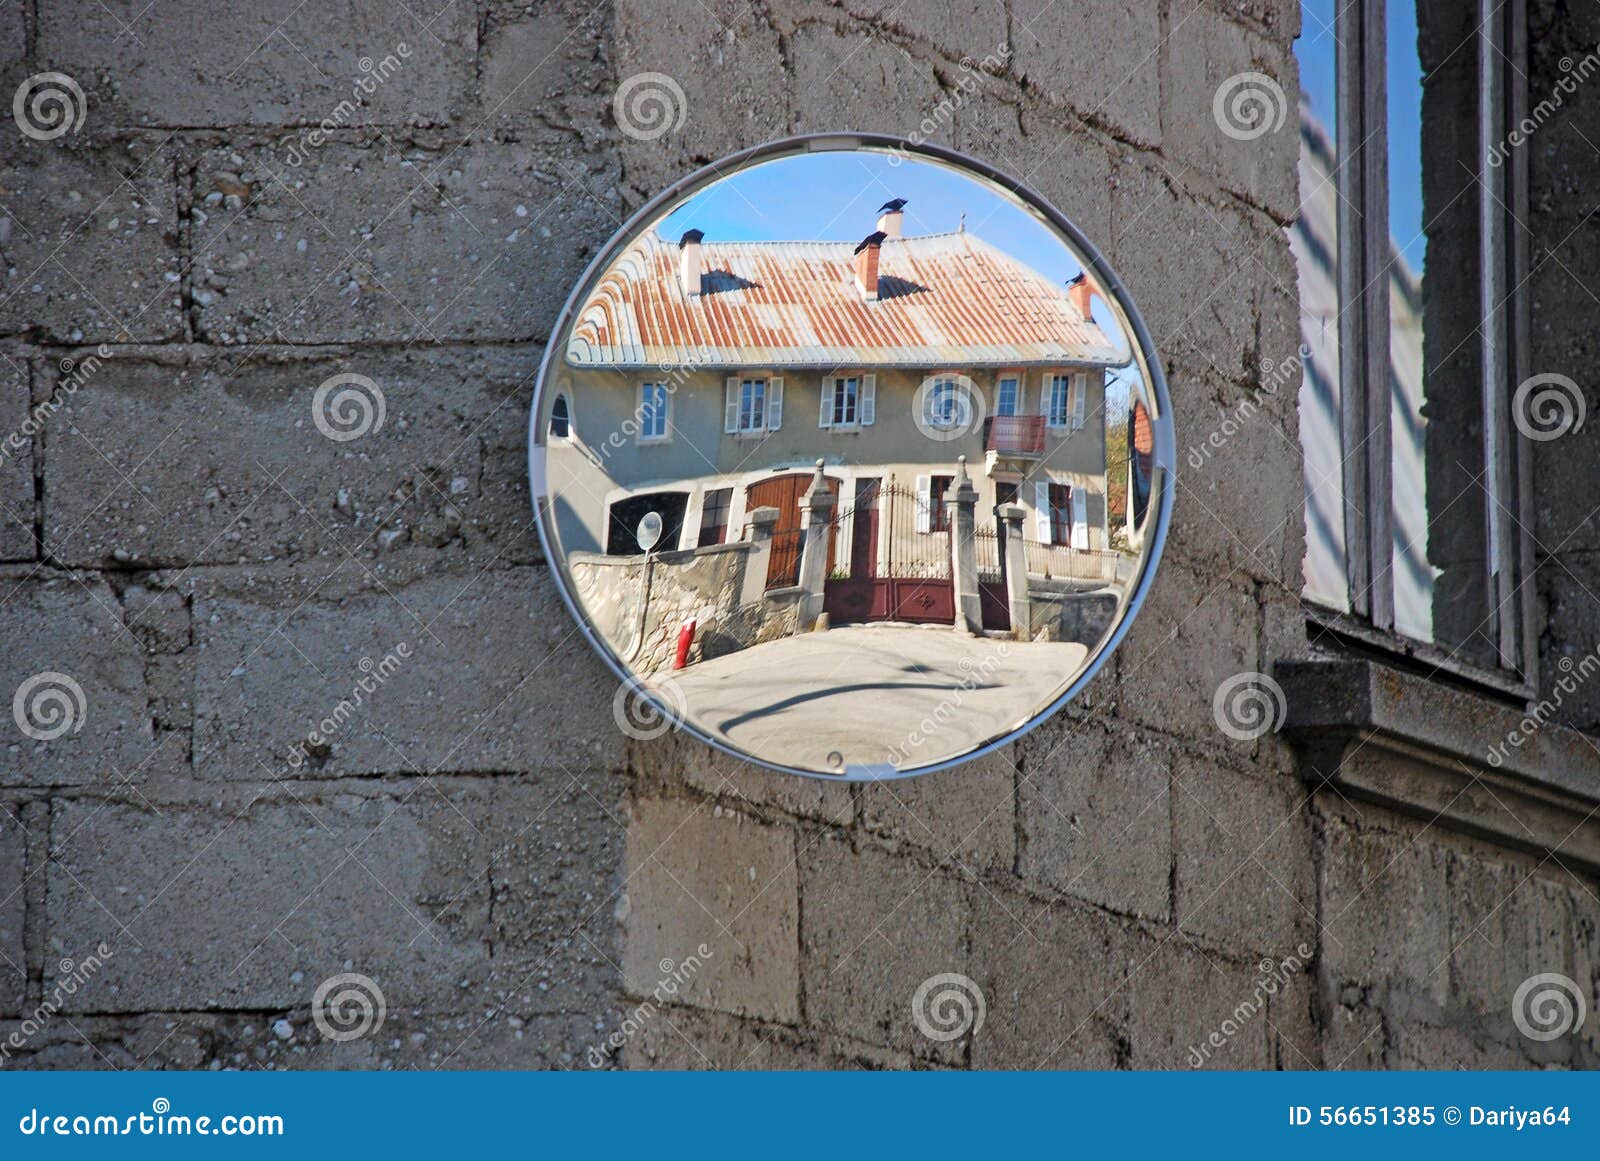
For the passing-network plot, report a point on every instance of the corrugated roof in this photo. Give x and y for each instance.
(944, 300)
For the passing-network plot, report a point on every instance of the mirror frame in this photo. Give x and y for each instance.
(1163, 461)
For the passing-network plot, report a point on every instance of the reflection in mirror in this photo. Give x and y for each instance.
(851, 459)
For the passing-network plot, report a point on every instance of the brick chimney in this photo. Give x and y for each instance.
(867, 264)
(1079, 292)
(891, 218)
(690, 264)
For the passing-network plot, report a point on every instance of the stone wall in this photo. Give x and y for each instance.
(478, 838)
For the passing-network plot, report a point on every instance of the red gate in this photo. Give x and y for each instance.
(899, 558)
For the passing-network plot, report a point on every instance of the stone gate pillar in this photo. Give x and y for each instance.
(816, 514)
(759, 558)
(1011, 518)
(962, 503)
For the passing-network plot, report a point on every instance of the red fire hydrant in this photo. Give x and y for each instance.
(685, 639)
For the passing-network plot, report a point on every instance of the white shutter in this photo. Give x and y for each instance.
(1041, 510)
(868, 403)
(730, 417)
(1044, 396)
(1022, 394)
(774, 404)
(924, 503)
(1080, 519)
(1080, 386)
(825, 416)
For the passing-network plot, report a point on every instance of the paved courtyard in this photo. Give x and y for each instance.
(870, 694)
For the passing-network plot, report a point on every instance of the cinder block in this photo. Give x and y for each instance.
(1193, 632)
(845, 79)
(730, 86)
(1244, 858)
(85, 704)
(92, 247)
(13, 903)
(1054, 983)
(1098, 60)
(16, 461)
(369, 241)
(965, 816)
(261, 481)
(189, 63)
(459, 673)
(547, 66)
(1183, 1000)
(877, 926)
(1385, 911)
(699, 876)
(452, 900)
(1240, 498)
(1191, 267)
(1208, 54)
(1095, 817)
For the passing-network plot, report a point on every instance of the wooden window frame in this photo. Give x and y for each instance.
(1361, 173)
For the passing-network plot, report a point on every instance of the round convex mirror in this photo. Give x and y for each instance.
(852, 457)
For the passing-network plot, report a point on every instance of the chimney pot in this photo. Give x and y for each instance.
(867, 264)
(1079, 292)
(690, 265)
(891, 218)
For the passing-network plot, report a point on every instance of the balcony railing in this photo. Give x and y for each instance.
(1014, 435)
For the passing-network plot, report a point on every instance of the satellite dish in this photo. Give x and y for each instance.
(649, 531)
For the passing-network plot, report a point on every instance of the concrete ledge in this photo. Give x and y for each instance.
(1444, 753)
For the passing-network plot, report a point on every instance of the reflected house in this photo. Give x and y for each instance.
(704, 381)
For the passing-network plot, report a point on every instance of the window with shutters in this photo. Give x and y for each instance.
(1060, 514)
(1058, 396)
(938, 513)
(946, 405)
(753, 405)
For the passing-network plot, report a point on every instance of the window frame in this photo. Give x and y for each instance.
(1051, 378)
(1000, 380)
(760, 427)
(937, 394)
(1362, 223)
(665, 434)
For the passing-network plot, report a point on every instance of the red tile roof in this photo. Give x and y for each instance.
(944, 300)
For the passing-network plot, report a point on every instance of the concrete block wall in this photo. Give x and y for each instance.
(525, 884)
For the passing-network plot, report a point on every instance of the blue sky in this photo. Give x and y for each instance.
(1316, 52)
(835, 197)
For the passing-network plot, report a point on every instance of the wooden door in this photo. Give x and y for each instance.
(784, 493)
